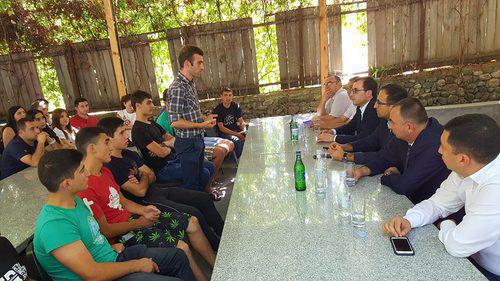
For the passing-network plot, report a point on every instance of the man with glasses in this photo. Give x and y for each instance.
(364, 149)
(335, 107)
(363, 95)
(411, 164)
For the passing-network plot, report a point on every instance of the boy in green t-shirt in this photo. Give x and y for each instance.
(68, 243)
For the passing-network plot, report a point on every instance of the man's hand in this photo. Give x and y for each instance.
(146, 265)
(361, 172)
(326, 132)
(391, 170)
(151, 212)
(336, 151)
(42, 137)
(208, 124)
(397, 226)
(118, 247)
(209, 117)
(241, 136)
(132, 179)
(325, 137)
(142, 221)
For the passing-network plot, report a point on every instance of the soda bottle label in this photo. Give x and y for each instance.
(301, 177)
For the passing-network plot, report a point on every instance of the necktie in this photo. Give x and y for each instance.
(407, 161)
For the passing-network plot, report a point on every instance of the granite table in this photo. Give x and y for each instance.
(21, 199)
(273, 232)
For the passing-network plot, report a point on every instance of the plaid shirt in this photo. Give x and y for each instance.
(183, 103)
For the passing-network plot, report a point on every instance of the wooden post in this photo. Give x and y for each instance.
(301, 47)
(323, 41)
(115, 48)
(421, 35)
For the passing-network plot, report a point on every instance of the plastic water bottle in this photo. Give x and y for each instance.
(320, 169)
(344, 198)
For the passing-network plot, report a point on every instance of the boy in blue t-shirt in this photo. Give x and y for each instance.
(68, 243)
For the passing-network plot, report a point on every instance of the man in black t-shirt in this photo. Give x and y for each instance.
(156, 145)
(25, 149)
(11, 267)
(137, 183)
(230, 121)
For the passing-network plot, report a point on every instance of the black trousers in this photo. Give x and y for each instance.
(195, 203)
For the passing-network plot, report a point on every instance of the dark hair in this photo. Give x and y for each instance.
(11, 120)
(369, 84)
(56, 166)
(476, 135)
(86, 136)
(412, 109)
(394, 92)
(138, 97)
(187, 52)
(21, 123)
(30, 114)
(79, 100)
(109, 125)
(336, 77)
(353, 79)
(56, 121)
(125, 99)
(226, 89)
(36, 103)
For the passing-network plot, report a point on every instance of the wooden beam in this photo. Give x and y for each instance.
(323, 40)
(115, 47)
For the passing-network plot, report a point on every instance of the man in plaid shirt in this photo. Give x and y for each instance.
(185, 114)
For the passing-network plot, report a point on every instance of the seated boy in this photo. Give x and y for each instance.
(136, 181)
(230, 121)
(132, 223)
(67, 241)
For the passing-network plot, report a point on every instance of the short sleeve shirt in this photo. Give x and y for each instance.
(57, 227)
(122, 168)
(103, 198)
(11, 158)
(229, 116)
(78, 122)
(340, 105)
(143, 134)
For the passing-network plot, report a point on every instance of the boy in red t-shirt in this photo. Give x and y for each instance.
(82, 118)
(120, 218)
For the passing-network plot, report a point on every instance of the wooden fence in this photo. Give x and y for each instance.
(19, 82)
(229, 56)
(405, 34)
(85, 70)
(299, 49)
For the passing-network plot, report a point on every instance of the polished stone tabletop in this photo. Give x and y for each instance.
(21, 199)
(273, 232)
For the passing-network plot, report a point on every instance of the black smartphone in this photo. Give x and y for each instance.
(402, 246)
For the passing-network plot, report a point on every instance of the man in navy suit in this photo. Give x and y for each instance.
(411, 164)
(363, 95)
(366, 148)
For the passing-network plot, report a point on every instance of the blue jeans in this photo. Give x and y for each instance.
(238, 144)
(173, 172)
(172, 262)
(195, 171)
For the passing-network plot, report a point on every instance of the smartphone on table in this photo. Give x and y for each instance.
(402, 246)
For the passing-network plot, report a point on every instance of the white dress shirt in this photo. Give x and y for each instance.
(478, 235)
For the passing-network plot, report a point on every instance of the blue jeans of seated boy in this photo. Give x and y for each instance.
(172, 172)
(238, 144)
(172, 262)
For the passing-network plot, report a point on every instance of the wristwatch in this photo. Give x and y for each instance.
(344, 158)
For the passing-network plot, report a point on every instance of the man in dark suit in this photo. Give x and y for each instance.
(363, 95)
(366, 148)
(411, 164)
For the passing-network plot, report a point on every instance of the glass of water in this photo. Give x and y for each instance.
(358, 211)
(349, 174)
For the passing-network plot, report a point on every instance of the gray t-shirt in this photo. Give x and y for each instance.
(340, 105)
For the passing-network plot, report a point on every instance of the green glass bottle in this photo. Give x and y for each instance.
(299, 171)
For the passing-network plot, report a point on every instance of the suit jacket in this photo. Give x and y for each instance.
(359, 127)
(366, 148)
(425, 170)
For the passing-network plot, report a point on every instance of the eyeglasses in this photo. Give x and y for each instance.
(383, 103)
(356, 91)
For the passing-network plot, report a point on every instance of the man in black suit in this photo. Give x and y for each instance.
(364, 149)
(363, 95)
(411, 164)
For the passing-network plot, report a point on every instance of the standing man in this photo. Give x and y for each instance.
(82, 118)
(186, 117)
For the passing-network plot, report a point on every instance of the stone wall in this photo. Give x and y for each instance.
(470, 84)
